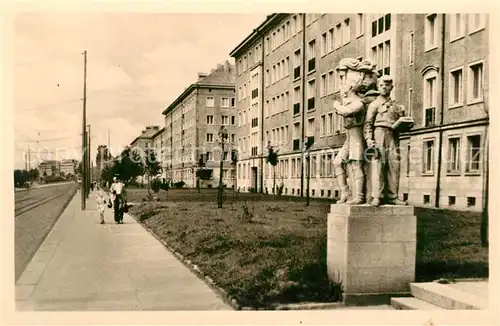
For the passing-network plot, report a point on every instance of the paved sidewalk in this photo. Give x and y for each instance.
(85, 266)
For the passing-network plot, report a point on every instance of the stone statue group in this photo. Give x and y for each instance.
(373, 122)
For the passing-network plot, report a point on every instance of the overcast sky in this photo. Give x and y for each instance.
(137, 64)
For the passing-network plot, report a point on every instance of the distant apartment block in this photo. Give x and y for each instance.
(192, 123)
(68, 167)
(286, 83)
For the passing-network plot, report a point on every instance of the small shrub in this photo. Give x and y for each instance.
(156, 185)
(245, 216)
(179, 184)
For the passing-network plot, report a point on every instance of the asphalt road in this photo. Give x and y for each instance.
(36, 211)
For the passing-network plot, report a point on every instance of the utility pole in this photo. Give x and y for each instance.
(84, 132)
(89, 162)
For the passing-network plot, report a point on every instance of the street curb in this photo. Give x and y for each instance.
(63, 208)
(225, 296)
(195, 269)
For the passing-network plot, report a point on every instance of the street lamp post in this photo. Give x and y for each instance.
(222, 138)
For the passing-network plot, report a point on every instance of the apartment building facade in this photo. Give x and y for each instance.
(158, 145)
(192, 124)
(294, 57)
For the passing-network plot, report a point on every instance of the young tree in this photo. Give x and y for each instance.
(151, 166)
(272, 158)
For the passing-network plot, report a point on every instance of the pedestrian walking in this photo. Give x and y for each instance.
(118, 198)
(101, 202)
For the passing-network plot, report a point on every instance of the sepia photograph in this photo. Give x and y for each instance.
(251, 161)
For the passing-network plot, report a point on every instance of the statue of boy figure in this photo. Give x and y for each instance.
(356, 78)
(384, 121)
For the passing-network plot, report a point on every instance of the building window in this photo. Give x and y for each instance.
(210, 102)
(346, 37)
(428, 157)
(225, 120)
(331, 82)
(405, 196)
(324, 43)
(427, 199)
(225, 102)
(454, 155)
(456, 90)
(210, 156)
(297, 59)
(312, 56)
(452, 200)
(338, 36)
(457, 26)
(431, 32)
(359, 25)
(473, 153)
(331, 40)
(233, 120)
(476, 22)
(210, 119)
(233, 102)
(324, 85)
(311, 94)
(475, 83)
(471, 201)
(310, 127)
(210, 138)
(387, 22)
(322, 127)
(430, 97)
(296, 98)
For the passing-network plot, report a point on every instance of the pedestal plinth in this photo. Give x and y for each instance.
(371, 251)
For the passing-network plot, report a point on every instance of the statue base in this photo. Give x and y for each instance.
(371, 251)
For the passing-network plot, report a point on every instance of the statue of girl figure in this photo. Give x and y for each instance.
(358, 88)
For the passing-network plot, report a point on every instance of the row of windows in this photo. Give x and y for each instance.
(225, 102)
(456, 90)
(224, 120)
(471, 158)
(210, 137)
(457, 27)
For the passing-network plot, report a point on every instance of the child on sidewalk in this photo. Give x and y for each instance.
(101, 203)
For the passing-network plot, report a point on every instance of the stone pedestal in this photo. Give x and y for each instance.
(371, 251)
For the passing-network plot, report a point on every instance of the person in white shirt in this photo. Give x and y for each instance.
(117, 196)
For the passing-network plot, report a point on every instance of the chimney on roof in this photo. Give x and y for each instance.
(201, 75)
(226, 66)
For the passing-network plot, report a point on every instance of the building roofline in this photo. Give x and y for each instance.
(188, 91)
(255, 33)
(158, 132)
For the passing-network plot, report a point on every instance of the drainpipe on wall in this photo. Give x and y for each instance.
(262, 115)
(301, 143)
(440, 151)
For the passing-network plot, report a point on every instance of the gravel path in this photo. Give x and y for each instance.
(31, 227)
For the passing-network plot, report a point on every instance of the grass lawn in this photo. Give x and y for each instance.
(277, 252)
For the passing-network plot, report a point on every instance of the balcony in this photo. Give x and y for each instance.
(296, 72)
(311, 66)
(296, 108)
(296, 144)
(311, 104)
